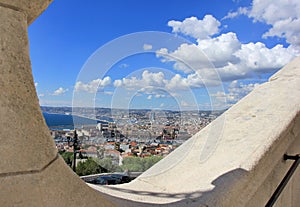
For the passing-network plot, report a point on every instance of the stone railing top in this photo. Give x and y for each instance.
(228, 152)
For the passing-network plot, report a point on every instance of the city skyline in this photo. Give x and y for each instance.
(243, 42)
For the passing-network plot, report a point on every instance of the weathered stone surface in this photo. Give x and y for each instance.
(25, 140)
(55, 186)
(31, 172)
(32, 8)
(290, 195)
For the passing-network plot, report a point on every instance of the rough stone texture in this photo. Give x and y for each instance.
(56, 185)
(32, 8)
(25, 140)
(31, 172)
(290, 195)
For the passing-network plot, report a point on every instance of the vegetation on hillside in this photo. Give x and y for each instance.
(94, 165)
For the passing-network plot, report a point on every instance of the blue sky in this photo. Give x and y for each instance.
(200, 54)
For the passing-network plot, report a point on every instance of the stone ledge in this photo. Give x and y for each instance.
(56, 185)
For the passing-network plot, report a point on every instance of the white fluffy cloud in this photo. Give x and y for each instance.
(214, 57)
(283, 16)
(210, 60)
(223, 56)
(199, 29)
(93, 86)
(148, 79)
(59, 91)
(257, 57)
(193, 80)
(240, 11)
(220, 49)
(272, 11)
(287, 28)
(236, 91)
(147, 47)
(188, 57)
(155, 83)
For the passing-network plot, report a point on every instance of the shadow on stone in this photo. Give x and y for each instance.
(192, 199)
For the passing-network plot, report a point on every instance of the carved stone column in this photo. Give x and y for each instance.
(24, 138)
(31, 172)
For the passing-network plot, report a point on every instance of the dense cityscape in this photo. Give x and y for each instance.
(121, 134)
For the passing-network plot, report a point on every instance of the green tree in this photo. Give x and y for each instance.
(108, 164)
(68, 157)
(150, 161)
(89, 167)
(138, 164)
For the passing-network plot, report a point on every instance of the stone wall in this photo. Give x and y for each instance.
(235, 161)
(31, 172)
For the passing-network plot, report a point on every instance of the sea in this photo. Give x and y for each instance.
(68, 122)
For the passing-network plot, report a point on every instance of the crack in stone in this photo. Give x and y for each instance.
(29, 172)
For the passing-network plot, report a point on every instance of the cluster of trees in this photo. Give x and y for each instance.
(95, 166)
(139, 164)
(68, 157)
(89, 167)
